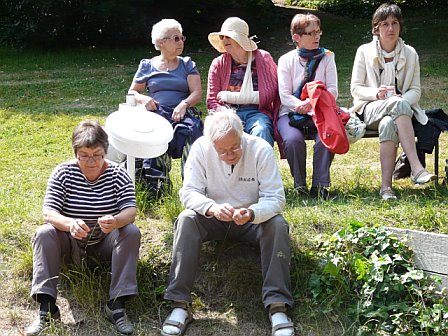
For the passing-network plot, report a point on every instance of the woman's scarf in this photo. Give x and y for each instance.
(387, 69)
(313, 58)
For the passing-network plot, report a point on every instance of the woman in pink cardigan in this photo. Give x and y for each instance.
(255, 98)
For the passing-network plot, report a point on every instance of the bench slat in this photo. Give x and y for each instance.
(431, 251)
(444, 283)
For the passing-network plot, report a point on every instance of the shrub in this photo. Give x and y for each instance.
(57, 23)
(371, 273)
(365, 8)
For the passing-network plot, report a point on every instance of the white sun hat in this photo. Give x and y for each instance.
(238, 30)
(138, 132)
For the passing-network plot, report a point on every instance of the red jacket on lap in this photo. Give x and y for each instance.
(327, 117)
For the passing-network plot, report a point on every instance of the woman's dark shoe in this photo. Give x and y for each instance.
(301, 191)
(43, 321)
(119, 318)
(320, 192)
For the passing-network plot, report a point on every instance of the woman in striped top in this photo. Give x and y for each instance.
(89, 210)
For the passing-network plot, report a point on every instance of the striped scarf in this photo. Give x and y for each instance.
(313, 58)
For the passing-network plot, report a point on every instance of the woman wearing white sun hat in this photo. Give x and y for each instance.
(255, 96)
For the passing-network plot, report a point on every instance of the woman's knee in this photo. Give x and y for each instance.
(387, 130)
(131, 232)
(45, 232)
(401, 107)
(264, 132)
(292, 137)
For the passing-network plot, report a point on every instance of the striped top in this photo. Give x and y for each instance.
(72, 195)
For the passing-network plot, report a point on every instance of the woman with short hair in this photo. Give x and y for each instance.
(385, 86)
(173, 85)
(89, 210)
(306, 63)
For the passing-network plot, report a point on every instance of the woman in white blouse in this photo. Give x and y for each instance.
(385, 86)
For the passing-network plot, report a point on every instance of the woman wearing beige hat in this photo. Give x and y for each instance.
(254, 95)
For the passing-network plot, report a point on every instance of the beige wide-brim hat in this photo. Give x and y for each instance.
(236, 29)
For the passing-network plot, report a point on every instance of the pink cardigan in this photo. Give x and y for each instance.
(219, 77)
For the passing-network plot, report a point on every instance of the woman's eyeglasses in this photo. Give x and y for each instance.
(95, 157)
(176, 38)
(221, 37)
(313, 33)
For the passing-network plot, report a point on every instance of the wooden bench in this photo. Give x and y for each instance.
(430, 251)
(374, 134)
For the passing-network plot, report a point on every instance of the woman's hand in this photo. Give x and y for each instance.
(107, 223)
(179, 111)
(149, 102)
(382, 92)
(304, 107)
(79, 229)
(221, 97)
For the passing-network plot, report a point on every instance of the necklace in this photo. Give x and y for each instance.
(165, 64)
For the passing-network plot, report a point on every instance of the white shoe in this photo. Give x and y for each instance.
(422, 177)
(176, 323)
(281, 325)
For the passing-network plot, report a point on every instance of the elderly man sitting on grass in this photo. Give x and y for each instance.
(232, 190)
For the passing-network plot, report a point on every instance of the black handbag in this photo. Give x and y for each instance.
(303, 122)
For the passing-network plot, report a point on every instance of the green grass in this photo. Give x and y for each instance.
(43, 95)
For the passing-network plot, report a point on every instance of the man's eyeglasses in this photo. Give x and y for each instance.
(313, 33)
(233, 151)
(177, 38)
(95, 157)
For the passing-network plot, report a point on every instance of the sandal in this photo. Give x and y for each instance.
(388, 194)
(422, 177)
(181, 326)
(282, 326)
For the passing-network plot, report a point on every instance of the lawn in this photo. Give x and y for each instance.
(43, 95)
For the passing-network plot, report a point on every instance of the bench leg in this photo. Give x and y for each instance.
(436, 162)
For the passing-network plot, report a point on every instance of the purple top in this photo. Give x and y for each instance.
(167, 87)
(237, 76)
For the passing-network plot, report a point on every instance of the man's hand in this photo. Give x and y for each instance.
(223, 212)
(242, 216)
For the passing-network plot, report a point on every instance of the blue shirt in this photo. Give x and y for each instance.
(166, 87)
